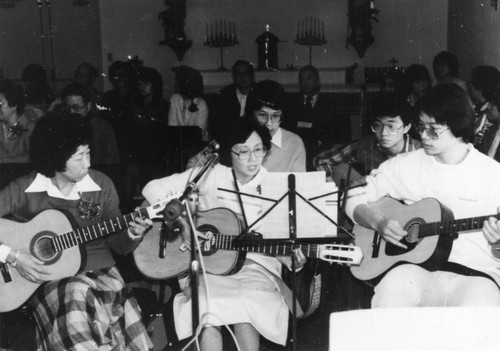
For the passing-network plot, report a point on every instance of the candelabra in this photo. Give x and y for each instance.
(220, 34)
(310, 32)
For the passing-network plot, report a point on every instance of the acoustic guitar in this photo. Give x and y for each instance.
(223, 251)
(50, 237)
(431, 230)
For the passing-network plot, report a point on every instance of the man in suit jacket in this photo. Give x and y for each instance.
(312, 114)
(233, 101)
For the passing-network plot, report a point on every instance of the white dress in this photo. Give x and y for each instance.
(252, 294)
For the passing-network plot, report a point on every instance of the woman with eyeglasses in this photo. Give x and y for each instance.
(390, 137)
(464, 181)
(287, 153)
(250, 300)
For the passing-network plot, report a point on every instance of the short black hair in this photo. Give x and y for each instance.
(269, 93)
(390, 105)
(446, 58)
(55, 138)
(189, 82)
(13, 94)
(311, 69)
(485, 79)
(415, 73)
(239, 135)
(450, 105)
(76, 89)
(242, 63)
(151, 75)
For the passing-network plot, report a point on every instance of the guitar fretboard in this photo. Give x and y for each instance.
(95, 231)
(275, 248)
(453, 226)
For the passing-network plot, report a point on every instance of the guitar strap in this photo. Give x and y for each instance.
(463, 270)
(239, 199)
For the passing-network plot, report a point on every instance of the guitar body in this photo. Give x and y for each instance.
(177, 258)
(429, 252)
(32, 236)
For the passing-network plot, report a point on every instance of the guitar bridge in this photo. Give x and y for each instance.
(376, 244)
(5, 273)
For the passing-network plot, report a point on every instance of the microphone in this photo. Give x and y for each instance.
(211, 148)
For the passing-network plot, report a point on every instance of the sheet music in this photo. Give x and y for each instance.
(310, 223)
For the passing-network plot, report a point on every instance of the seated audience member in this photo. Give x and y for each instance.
(287, 153)
(250, 299)
(93, 309)
(390, 137)
(149, 104)
(187, 105)
(150, 113)
(87, 74)
(16, 128)
(77, 99)
(453, 172)
(483, 81)
(446, 67)
(37, 103)
(491, 138)
(311, 116)
(118, 103)
(34, 77)
(233, 102)
(416, 82)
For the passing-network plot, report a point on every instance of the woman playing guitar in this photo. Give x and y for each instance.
(462, 179)
(249, 300)
(91, 310)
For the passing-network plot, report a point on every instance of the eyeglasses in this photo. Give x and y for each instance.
(431, 132)
(378, 127)
(244, 153)
(263, 117)
(75, 108)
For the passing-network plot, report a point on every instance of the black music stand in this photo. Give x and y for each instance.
(292, 194)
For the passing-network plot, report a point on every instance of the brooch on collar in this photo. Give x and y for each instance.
(89, 209)
(15, 131)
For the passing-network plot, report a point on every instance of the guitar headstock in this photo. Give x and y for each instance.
(155, 211)
(343, 254)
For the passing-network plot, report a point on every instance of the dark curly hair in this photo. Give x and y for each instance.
(56, 137)
(239, 135)
(14, 95)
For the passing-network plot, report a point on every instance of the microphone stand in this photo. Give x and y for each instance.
(172, 212)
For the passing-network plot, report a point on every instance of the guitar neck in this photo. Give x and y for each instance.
(269, 247)
(453, 226)
(96, 231)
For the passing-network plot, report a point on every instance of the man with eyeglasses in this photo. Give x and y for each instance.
(390, 137)
(466, 182)
(76, 98)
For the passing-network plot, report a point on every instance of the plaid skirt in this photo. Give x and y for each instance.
(90, 311)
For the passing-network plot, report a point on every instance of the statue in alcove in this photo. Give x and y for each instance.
(361, 14)
(173, 20)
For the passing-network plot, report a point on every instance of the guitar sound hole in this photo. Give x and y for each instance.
(411, 240)
(43, 247)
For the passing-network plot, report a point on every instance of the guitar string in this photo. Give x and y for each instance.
(71, 239)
